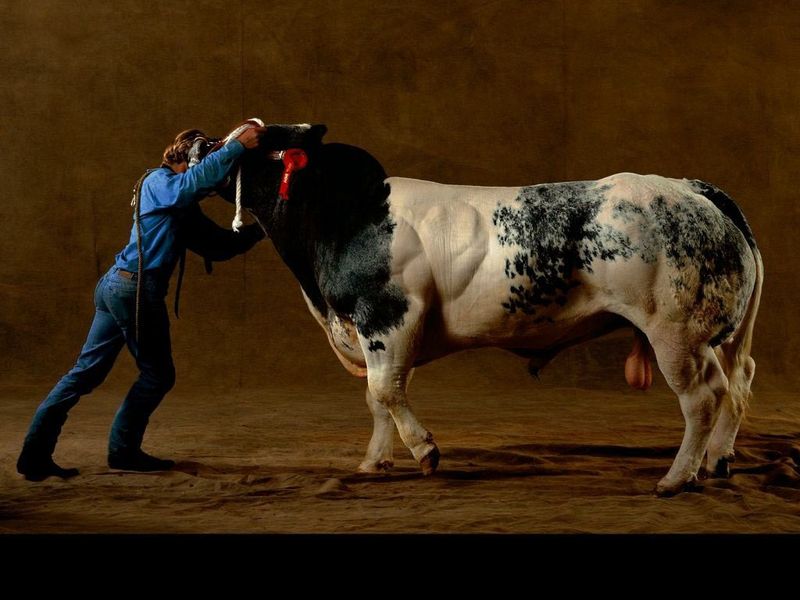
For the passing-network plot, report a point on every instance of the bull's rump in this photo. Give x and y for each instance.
(524, 266)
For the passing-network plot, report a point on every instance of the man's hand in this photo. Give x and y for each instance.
(249, 138)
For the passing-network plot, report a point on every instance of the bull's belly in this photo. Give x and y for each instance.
(440, 339)
(484, 315)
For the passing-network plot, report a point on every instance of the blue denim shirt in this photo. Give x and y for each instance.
(164, 196)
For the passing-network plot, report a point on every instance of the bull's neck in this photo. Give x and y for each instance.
(331, 204)
(293, 226)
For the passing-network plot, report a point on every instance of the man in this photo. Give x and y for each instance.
(170, 221)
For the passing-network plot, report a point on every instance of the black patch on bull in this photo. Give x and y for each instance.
(702, 247)
(375, 345)
(335, 231)
(555, 229)
(692, 235)
(688, 233)
(727, 207)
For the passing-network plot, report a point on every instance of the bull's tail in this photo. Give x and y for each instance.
(735, 360)
(734, 353)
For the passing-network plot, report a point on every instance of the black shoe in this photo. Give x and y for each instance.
(138, 461)
(39, 468)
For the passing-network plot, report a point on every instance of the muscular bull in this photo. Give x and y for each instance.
(399, 272)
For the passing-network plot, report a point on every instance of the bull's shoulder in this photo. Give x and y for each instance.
(445, 219)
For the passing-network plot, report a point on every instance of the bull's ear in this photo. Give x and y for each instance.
(316, 132)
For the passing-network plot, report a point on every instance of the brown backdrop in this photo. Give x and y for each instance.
(503, 93)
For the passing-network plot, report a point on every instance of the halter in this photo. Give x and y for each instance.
(294, 159)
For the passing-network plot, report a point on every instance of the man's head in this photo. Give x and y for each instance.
(176, 155)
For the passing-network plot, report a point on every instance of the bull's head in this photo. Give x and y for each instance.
(267, 172)
(291, 145)
(278, 137)
(303, 135)
(278, 168)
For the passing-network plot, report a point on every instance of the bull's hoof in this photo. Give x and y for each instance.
(722, 470)
(430, 461)
(382, 466)
(666, 489)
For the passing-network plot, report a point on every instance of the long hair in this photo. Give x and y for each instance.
(178, 151)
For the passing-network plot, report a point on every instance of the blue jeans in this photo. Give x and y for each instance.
(112, 328)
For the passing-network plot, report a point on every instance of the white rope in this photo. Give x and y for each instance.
(237, 218)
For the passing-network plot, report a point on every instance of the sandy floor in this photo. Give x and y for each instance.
(542, 459)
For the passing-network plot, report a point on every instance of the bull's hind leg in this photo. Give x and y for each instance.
(734, 354)
(390, 357)
(740, 371)
(696, 376)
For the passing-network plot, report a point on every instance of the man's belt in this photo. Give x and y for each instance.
(128, 274)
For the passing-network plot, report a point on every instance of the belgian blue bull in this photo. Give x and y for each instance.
(399, 272)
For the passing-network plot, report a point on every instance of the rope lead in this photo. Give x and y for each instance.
(136, 202)
(237, 218)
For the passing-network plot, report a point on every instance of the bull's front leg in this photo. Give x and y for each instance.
(379, 452)
(390, 357)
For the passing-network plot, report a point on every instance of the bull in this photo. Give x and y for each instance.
(399, 272)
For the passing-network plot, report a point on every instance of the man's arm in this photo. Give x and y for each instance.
(214, 243)
(181, 189)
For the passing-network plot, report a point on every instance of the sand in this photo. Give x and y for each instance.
(532, 458)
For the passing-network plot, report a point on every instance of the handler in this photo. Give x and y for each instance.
(171, 222)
